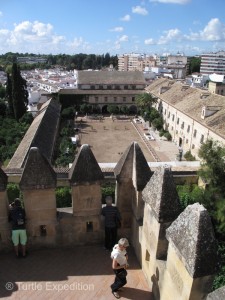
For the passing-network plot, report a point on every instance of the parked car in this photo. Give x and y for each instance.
(149, 136)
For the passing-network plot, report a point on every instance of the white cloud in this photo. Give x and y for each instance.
(149, 42)
(213, 31)
(126, 18)
(170, 35)
(124, 38)
(117, 29)
(172, 1)
(1, 14)
(139, 10)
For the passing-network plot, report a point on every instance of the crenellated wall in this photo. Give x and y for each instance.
(176, 250)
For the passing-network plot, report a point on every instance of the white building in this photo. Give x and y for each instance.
(191, 115)
(213, 63)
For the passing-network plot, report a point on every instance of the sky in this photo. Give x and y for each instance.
(190, 27)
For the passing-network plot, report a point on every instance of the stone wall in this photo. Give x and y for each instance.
(176, 250)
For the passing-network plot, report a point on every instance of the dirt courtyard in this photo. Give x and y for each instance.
(109, 139)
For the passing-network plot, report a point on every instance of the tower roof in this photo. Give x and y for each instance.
(193, 237)
(161, 194)
(36, 165)
(85, 167)
(133, 165)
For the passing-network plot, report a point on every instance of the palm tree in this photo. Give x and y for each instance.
(144, 101)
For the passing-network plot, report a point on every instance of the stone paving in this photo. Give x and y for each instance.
(68, 273)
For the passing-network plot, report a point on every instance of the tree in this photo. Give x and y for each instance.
(194, 66)
(113, 109)
(2, 108)
(145, 101)
(212, 153)
(9, 95)
(19, 93)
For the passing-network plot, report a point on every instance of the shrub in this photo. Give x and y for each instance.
(168, 136)
(188, 156)
(13, 191)
(63, 197)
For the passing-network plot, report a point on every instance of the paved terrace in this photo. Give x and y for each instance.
(70, 273)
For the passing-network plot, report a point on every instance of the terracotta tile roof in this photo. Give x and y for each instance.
(190, 101)
(110, 77)
(41, 134)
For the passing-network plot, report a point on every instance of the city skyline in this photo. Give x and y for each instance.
(191, 27)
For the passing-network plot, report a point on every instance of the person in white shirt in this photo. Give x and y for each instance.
(119, 264)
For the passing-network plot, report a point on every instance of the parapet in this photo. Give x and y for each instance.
(192, 236)
(37, 173)
(133, 165)
(161, 194)
(85, 168)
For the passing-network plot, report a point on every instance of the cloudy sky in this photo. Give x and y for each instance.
(191, 27)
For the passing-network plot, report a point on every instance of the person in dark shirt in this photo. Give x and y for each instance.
(17, 219)
(111, 214)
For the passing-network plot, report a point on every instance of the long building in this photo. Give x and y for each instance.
(102, 88)
(191, 115)
(213, 63)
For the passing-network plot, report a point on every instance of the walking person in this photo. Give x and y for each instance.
(119, 265)
(19, 235)
(112, 217)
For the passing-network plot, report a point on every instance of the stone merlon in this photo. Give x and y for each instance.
(161, 194)
(192, 236)
(133, 165)
(85, 167)
(32, 177)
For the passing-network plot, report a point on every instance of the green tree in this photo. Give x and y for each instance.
(194, 65)
(63, 197)
(3, 108)
(9, 95)
(2, 92)
(212, 168)
(145, 101)
(19, 93)
(113, 109)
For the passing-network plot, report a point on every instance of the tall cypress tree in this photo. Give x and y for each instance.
(9, 95)
(19, 93)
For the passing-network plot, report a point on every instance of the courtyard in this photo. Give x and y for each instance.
(110, 137)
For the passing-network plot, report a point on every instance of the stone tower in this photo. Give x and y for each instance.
(132, 174)
(38, 183)
(85, 177)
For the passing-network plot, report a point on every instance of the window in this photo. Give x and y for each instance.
(172, 128)
(193, 146)
(173, 118)
(195, 133)
(133, 99)
(89, 226)
(186, 141)
(109, 87)
(182, 125)
(188, 128)
(92, 87)
(124, 99)
(168, 115)
(202, 139)
(106, 99)
(178, 120)
(165, 112)
(43, 230)
(147, 256)
(101, 87)
(96, 99)
(115, 99)
(126, 87)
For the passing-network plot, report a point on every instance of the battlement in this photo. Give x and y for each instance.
(176, 249)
